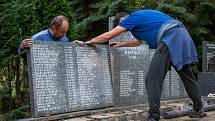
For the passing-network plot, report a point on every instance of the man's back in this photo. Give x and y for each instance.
(145, 24)
(46, 35)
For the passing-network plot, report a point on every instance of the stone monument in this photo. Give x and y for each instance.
(207, 77)
(65, 78)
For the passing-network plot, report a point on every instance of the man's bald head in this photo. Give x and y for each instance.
(58, 21)
(59, 26)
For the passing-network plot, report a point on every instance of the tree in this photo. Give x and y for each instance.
(96, 20)
(21, 19)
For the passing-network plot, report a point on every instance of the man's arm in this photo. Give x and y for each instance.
(105, 37)
(131, 43)
(26, 43)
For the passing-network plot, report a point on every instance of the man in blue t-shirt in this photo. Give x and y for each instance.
(57, 32)
(174, 46)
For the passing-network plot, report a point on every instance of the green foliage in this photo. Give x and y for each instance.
(143, 4)
(97, 22)
(46, 10)
(81, 8)
(21, 19)
(6, 99)
(15, 15)
(178, 12)
(18, 113)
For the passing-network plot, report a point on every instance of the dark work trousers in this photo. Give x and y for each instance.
(158, 68)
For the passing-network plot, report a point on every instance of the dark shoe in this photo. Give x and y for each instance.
(151, 119)
(197, 114)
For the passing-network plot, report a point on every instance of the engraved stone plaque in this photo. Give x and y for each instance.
(206, 83)
(65, 78)
(208, 56)
(129, 66)
(47, 80)
(94, 77)
(207, 77)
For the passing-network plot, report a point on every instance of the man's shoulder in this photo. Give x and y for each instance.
(42, 33)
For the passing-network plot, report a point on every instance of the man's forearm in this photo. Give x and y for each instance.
(105, 37)
(102, 38)
(22, 53)
(130, 43)
(20, 50)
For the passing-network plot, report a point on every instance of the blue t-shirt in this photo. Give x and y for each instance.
(145, 24)
(44, 35)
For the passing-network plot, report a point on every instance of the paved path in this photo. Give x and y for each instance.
(130, 113)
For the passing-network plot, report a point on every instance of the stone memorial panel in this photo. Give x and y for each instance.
(65, 78)
(129, 66)
(208, 56)
(94, 76)
(206, 83)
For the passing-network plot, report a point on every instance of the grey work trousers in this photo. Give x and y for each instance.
(158, 68)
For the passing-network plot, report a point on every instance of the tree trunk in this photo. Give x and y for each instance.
(9, 79)
(17, 75)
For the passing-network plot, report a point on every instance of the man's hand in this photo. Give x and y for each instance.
(26, 43)
(80, 43)
(90, 43)
(114, 44)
